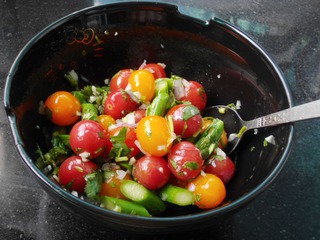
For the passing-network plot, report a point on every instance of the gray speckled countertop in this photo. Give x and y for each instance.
(288, 209)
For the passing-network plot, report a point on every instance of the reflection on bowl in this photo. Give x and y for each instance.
(99, 41)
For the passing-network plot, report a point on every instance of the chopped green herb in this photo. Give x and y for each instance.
(93, 184)
(69, 185)
(79, 169)
(173, 163)
(120, 148)
(192, 165)
(189, 111)
(265, 143)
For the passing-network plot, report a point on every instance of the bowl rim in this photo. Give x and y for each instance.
(241, 201)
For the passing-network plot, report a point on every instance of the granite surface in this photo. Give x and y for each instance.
(288, 209)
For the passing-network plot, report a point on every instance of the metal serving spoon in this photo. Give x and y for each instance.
(235, 126)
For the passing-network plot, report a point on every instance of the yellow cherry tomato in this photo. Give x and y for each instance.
(154, 135)
(105, 121)
(143, 82)
(208, 189)
(62, 108)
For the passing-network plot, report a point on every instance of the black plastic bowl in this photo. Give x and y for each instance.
(99, 41)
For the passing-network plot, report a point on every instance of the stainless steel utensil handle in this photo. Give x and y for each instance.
(298, 113)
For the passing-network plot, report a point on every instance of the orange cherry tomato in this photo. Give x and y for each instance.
(62, 108)
(111, 187)
(105, 121)
(142, 81)
(223, 140)
(208, 189)
(154, 135)
(206, 122)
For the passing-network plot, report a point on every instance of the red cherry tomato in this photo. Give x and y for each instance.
(222, 167)
(88, 137)
(120, 80)
(185, 161)
(156, 69)
(177, 182)
(139, 114)
(186, 119)
(151, 172)
(131, 137)
(195, 93)
(72, 172)
(118, 104)
(134, 117)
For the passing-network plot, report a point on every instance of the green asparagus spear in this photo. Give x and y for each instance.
(176, 195)
(143, 196)
(81, 97)
(208, 141)
(89, 112)
(123, 206)
(159, 104)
